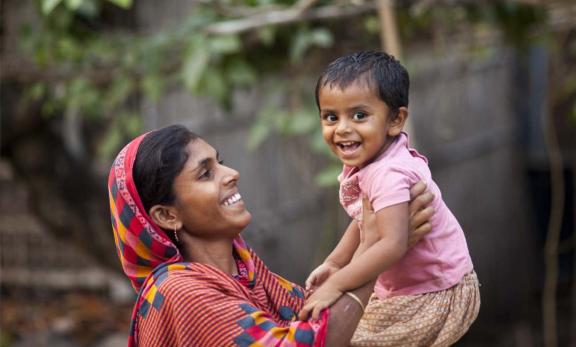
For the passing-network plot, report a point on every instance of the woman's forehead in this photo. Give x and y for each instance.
(199, 150)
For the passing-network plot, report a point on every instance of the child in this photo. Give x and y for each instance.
(426, 295)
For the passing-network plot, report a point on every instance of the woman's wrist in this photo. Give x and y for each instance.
(357, 299)
(345, 315)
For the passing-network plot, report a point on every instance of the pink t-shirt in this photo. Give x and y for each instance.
(441, 258)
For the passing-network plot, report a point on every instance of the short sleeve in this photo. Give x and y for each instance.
(386, 186)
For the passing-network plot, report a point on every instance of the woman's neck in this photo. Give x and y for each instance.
(217, 253)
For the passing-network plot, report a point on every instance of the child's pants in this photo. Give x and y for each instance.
(431, 319)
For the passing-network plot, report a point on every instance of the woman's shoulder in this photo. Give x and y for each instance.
(195, 279)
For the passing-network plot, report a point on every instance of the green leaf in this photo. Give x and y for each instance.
(37, 91)
(258, 133)
(299, 44)
(302, 122)
(224, 44)
(318, 145)
(111, 142)
(304, 39)
(372, 25)
(328, 176)
(322, 38)
(49, 5)
(267, 35)
(73, 4)
(240, 73)
(194, 64)
(118, 92)
(262, 128)
(152, 86)
(133, 124)
(214, 84)
(125, 4)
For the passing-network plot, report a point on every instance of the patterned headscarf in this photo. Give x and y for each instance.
(140, 243)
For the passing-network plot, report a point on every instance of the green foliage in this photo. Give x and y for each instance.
(306, 38)
(100, 69)
(327, 177)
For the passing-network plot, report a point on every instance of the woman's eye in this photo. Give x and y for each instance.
(205, 174)
(221, 162)
(359, 115)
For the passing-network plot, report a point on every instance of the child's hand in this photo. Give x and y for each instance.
(320, 274)
(322, 298)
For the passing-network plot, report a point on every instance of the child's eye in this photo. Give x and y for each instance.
(359, 115)
(330, 117)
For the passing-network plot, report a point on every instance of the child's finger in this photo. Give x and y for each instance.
(304, 312)
(310, 281)
(316, 312)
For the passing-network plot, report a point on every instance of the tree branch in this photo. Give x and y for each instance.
(283, 17)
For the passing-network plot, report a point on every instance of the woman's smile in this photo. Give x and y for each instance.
(234, 201)
(207, 194)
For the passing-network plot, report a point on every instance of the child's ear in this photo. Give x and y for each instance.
(397, 124)
(166, 217)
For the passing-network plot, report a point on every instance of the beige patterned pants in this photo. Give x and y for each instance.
(432, 319)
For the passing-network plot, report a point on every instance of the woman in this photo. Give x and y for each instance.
(177, 217)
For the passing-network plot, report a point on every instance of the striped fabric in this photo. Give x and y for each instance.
(192, 304)
(203, 306)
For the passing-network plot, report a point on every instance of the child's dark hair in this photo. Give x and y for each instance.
(378, 69)
(160, 158)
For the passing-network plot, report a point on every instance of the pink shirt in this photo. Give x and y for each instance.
(441, 258)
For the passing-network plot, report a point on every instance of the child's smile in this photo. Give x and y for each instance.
(356, 123)
(348, 146)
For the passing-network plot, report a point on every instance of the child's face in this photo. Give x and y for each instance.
(356, 123)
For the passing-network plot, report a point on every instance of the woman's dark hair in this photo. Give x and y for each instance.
(160, 158)
(382, 72)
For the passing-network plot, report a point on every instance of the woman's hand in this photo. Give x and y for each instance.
(420, 212)
(369, 234)
(320, 275)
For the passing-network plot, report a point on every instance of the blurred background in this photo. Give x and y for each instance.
(492, 106)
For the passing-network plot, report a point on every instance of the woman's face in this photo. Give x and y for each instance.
(207, 197)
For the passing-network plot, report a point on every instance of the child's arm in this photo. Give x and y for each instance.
(342, 253)
(338, 258)
(392, 223)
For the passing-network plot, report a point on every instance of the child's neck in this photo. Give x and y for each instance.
(383, 149)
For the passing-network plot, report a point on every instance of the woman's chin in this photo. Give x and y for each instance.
(247, 219)
(243, 221)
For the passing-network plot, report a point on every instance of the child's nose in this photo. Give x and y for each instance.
(343, 127)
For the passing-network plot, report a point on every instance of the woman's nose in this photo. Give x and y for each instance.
(230, 175)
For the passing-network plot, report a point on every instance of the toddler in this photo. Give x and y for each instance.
(425, 295)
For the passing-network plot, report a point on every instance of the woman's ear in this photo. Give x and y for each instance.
(397, 124)
(166, 217)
